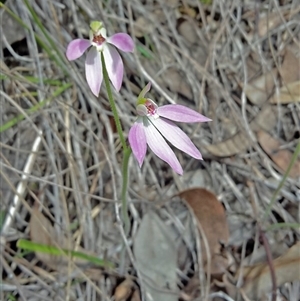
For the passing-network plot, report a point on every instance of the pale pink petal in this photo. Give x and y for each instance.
(181, 114)
(137, 141)
(76, 48)
(93, 70)
(122, 41)
(114, 66)
(160, 147)
(176, 136)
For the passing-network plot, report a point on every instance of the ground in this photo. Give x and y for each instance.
(215, 233)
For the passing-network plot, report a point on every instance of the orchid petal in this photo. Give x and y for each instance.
(95, 26)
(137, 141)
(176, 137)
(122, 41)
(114, 66)
(181, 114)
(103, 33)
(76, 48)
(93, 70)
(160, 147)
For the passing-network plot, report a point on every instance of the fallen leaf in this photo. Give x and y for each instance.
(234, 145)
(269, 21)
(290, 71)
(259, 89)
(211, 216)
(289, 93)
(42, 232)
(265, 120)
(187, 31)
(173, 78)
(142, 27)
(281, 157)
(192, 288)
(156, 257)
(257, 279)
(124, 290)
(189, 11)
(12, 30)
(253, 66)
(136, 296)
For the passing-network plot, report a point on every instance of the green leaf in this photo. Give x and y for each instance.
(36, 247)
(144, 51)
(34, 108)
(2, 218)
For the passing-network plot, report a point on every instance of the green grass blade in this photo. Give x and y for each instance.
(144, 51)
(41, 27)
(36, 247)
(35, 80)
(2, 218)
(32, 79)
(34, 108)
(3, 76)
(38, 39)
(278, 226)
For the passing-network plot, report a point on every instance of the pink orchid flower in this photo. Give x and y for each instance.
(154, 127)
(101, 43)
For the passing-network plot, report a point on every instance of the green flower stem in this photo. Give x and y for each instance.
(112, 103)
(126, 149)
(126, 156)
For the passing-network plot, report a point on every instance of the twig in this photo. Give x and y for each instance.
(21, 185)
(269, 260)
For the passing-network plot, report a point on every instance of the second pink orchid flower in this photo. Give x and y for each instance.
(154, 126)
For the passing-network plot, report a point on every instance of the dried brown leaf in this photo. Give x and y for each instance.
(234, 145)
(281, 157)
(189, 11)
(142, 27)
(174, 80)
(192, 288)
(11, 29)
(257, 278)
(290, 69)
(136, 296)
(289, 93)
(265, 120)
(253, 65)
(268, 22)
(187, 31)
(261, 88)
(42, 232)
(211, 216)
(124, 290)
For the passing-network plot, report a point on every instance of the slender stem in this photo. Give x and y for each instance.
(126, 149)
(269, 261)
(112, 103)
(126, 156)
(284, 178)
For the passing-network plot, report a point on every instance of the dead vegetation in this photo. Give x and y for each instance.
(236, 62)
